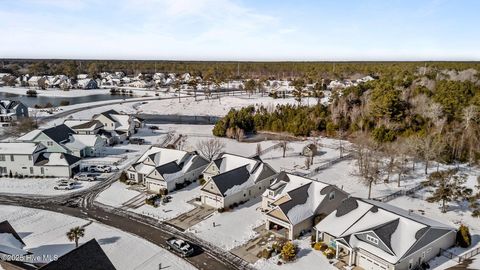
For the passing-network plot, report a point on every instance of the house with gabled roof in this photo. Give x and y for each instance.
(11, 244)
(87, 256)
(379, 236)
(231, 179)
(11, 110)
(84, 127)
(293, 203)
(122, 124)
(163, 168)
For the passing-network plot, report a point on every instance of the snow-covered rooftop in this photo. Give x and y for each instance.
(18, 148)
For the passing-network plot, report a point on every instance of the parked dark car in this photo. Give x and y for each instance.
(180, 246)
(137, 141)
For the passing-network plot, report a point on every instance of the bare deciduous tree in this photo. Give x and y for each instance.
(210, 148)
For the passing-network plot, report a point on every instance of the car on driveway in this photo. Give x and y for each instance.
(101, 169)
(64, 186)
(180, 246)
(85, 177)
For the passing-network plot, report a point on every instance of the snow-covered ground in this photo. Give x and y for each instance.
(38, 186)
(119, 193)
(215, 107)
(308, 258)
(232, 228)
(459, 213)
(44, 233)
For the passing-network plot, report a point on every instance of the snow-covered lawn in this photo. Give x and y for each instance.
(116, 195)
(44, 233)
(232, 228)
(308, 258)
(459, 213)
(214, 107)
(38, 186)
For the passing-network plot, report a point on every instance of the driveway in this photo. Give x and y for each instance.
(190, 218)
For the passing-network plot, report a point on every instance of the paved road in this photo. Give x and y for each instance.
(80, 204)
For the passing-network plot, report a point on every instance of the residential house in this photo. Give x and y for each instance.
(293, 204)
(163, 169)
(11, 110)
(33, 159)
(87, 84)
(53, 138)
(63, 139)
(379, 236)
(89, 255)
(83, 145)
(84, 127)
(37, 81)
(122, 124)
(11, 244)
(231, 179)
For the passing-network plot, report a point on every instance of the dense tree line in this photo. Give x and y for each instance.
(440, 116)
(308, 71)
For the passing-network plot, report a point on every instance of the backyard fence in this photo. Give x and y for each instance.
(459, 258)
(404, 192)
(327, 165)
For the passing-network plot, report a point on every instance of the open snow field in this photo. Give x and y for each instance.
(44, 233)
(38, 186)
(215, 107)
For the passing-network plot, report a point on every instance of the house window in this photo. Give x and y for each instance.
(29, 157)
(12, 158)
(372, 239)
(31, 170)
(331, 196)
(2, 157)
(49, 143)
(42, 170)
(3, 170)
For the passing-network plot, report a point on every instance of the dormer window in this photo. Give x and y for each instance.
(372, 239)
(331, 196)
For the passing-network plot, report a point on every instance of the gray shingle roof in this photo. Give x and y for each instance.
(5, 227)
(109, 113)
(168, 168)
(229, 179)
(89, 256)
(59, 133)
(298, 196)
(347, 206)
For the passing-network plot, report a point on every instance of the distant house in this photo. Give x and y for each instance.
(122, 124)
(63, 139)
(163, 169)
(87, 256)
(82, 145)
(380, 236)
(53, 138)
(33, 159)
(11, 111)
(233, 179)
(37, 81)
(293, 203)
(84, 127)
(87, 84)
(59, 81)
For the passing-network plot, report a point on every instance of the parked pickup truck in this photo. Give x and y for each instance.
(180, 246)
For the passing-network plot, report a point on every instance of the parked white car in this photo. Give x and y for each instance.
(85, 177)
(64, 186)
(101, 169)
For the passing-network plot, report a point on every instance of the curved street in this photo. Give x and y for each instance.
(81, 204)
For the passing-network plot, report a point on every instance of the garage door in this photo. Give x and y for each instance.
(211, 201)
(369, 264)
